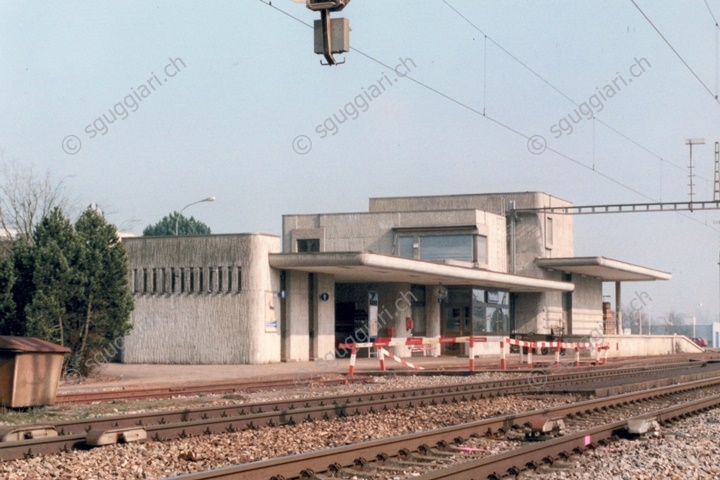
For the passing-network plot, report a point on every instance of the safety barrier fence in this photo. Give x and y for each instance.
(382, 342)
(558, 347)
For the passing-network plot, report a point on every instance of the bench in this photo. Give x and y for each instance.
(425, 349)
(415, 345)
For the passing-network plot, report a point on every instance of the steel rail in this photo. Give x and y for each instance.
(227, 418)
(492, 387)
(69, 398)
(513, 462)
(346, 456)
(142, 393)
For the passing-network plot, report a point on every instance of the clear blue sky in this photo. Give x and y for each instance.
(225, 123)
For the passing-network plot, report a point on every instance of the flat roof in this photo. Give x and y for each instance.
(364, 267)
(603, 268)
(459, 195)
(202, 235)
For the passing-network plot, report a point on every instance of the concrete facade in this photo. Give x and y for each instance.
(514, 242)
(425, 266)
(208, 299)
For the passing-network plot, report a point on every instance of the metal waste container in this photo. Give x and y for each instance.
(30, 370)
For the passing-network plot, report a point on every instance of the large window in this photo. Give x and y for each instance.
(490, 311)
(446, 247)
(437, 247)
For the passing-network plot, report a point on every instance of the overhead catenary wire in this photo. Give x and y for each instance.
(717, 32)
(548, 83)
(715, 97)
(560, 92)
(711, 14)
(497, 122)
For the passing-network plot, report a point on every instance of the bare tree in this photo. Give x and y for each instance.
(636, 320)
(27, 197)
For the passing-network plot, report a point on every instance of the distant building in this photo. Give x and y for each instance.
(486, 264)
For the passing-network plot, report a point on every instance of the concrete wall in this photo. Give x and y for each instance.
(433, 317)
(586, 305)
(530, 231)
(324, 337)
(494, 203)
(620, 346)
(297, 307)
(346, 232)
(642, 345)
(310, 328)
(203, 299)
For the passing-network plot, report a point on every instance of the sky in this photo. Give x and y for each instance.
(228, 99)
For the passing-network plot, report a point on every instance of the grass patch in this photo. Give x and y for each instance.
(232, 396)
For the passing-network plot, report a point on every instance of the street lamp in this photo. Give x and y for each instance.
(177, 219)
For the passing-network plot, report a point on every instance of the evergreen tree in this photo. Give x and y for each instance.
(55, 278)
(103, 304)
(8, 317)
(81, 298)
(185, 226)
(21, 258)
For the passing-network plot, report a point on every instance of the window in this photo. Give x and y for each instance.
(174, 274)
(446, 247)
(548, 232)
(406, 247)
(307, 245)
(491, 312)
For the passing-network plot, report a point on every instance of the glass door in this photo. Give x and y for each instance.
(457, 324)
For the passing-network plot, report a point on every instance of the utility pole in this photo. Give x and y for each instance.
(691, 142)
(716, 222)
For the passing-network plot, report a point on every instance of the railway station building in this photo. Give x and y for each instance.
(481, 264)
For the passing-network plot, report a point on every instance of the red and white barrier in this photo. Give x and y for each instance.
(557, 346)
(381, 342)
(518, 343)
(503, 365)
(505, 342)
(353, 356)
(605, 347)
(382, 351)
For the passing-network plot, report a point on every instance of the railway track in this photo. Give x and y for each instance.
(70, 398)
(450, 452)
(31, 440)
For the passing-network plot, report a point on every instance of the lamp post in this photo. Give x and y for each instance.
(177, 219)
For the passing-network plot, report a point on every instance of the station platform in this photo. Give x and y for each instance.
(119, 376)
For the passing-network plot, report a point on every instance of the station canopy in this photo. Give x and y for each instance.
(602, 268)
(365, 267)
